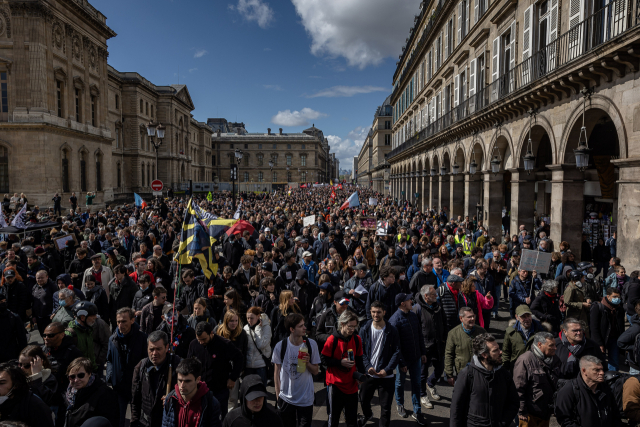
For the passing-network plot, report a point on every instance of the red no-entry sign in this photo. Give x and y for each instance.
(156, 185)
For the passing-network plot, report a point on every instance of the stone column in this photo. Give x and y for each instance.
(457, 195)
(425, 191)
(522, 206)
(473, 193)
(628, 217)
(492, 203)
(567, 206)
(445, 200)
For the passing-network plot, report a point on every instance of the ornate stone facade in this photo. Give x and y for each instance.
(373, 169)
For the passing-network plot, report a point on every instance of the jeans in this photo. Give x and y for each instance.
(486, 316)
(414, 374)
(261, 372)
(223, 398)
(295, 416)
(123, 402)
(612, 354)
(496, 298)
(437, 360)
(385, 387)
(338, 401)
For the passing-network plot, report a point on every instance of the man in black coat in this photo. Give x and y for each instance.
(122, 291)
(42, 300)
(485, 393)
(607, 324)
(18, 300)
(572, 345)
(222, 362)
(13, 336)
(587, 400)
(61, 350)
(423, 277)
(254, 411)
(546, 306)
(233, 251)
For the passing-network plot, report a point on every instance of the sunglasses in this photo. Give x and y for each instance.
(50, 335)
(24, 365)
(79, 376)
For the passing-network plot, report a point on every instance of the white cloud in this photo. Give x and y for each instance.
(254, 11)
(296, 118)
(200, 53)
(346, 91)
(346, 148)
(272, 87)
(191, 70)
(364, 32)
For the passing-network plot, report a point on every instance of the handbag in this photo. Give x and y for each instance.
(265, 358)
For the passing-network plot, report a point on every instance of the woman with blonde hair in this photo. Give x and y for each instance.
(288, 304)
(231, 329)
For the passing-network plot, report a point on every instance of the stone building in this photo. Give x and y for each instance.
(297, 157)
(373, 169)
(493, 98)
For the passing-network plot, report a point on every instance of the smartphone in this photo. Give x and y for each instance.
(350, 355)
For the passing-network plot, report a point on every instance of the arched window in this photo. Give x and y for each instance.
(288, 146)
(289, 160)
(83, 172)
(65, 171)
(119, 175)
(260, 177)
(303, 160)
(98, 173)
(260, 159)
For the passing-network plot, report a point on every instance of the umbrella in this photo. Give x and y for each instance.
(240, 227)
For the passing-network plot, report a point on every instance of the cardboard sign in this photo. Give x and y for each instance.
(382, 228)
(368, 223)
(61, 242)
(308, 220)
(535, 261)
(373, 201)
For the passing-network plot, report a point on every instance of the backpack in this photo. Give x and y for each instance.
(285, 342)
(335, 344)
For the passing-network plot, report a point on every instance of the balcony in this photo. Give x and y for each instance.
(602, 27)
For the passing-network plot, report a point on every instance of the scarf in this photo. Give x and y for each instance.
(574, 351)
(525, 334)
(72, 392)
(467, 331)
(620, 281)
(538, 353)
(454, 292)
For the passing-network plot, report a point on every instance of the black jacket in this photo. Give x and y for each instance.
(217, 357)
(483, 398)
(433, 322)
(578, 406)
(60, 358)
(96, 400)
(627, 340)
(120, 295)
(13, 336)
(123, 355)
(182, 333)
(390, 355)
(450, 307)
(571, 370)
(632, 296)
(144, 297)
(43, 299)
(146, 401)
(27, 407)
(98, 296)
(18, 299)
(604, 324)
(79, 266)
(189, 295)
(420, 279)
(242, 417)
(547, 310)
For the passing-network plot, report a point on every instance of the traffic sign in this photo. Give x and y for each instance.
(156, 185)
(157, 193)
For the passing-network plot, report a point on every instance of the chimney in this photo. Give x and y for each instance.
(280, 131)
(269, 131)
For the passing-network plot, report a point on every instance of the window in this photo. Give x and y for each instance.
(142, 179)
(213, 160)
(245, 158)
(58, 98)
(449, 39)
(302, 147)
(288, 176)
(275, 146)
(260, 159)
(260, 177)
(77, 97)
(289, 162)
(231, 146)
(93, 111)
(246, 146)
(117, 102)
(141, 106)
(387, 124)
(146, 104)
(274, 159)
(83, 175)
(98, 175)
(119, 175)
(117, 138)
(463, 20)
(303, 177)
(231, 158)
(274, 177)
(246, 177)
(303, 160)
(288, 146)
(152, 111)
(387, 139)
(65, 172)
(259, 146)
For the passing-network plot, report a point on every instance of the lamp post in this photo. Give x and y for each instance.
(152, 129)
(234, 175)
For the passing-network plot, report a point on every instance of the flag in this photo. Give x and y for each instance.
(333, 194)
(351, 202)
(330, 182)
(202, 214)
(140, 203)
(195, 242)
(210, 196)
(3, 222)
(19, 220)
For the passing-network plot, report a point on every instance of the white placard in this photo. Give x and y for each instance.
(308, 220)
(535, 260)
(373, 201)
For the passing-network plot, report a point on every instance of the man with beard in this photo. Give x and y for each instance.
(484, 394)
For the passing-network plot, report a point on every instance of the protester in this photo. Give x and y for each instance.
(519, 337)
(607, 324)
(572, 344)
(18, 402)
(254, 409)
(459, 348)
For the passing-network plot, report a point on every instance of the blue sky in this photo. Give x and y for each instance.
(269, 63)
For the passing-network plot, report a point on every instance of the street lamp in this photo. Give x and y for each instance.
(433, 171)
(583, 150)
(443, 171)
(529, 158)
(152, 130)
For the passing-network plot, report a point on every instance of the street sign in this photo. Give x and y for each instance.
(157, 193)
(156, 185)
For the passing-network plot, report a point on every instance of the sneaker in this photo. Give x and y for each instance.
(363, 420)
(493, 315)
(420, 419)
(426, 402)
(401, 411)
(434, 392)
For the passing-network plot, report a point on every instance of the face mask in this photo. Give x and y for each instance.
(402, 276)
(615, 301)
(62, 302)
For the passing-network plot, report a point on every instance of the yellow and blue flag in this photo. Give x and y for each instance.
(195, 242)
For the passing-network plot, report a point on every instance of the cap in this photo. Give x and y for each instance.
(9, 273)
(96, 256)
(304, 241)
(268, 266)
(339, 296)
(522, 309)
(327, 287)
(360, 267)
(302, 274)
(454, 278)
(402, 297)
(306, 254)
(111, 250)
(267, 229)
(39, 250)
(255, 394)
(297, 239)
(365, 239)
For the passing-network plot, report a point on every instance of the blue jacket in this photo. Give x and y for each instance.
(441, 279)
(317, 246)
(414, 268)
(120, 362)
(611, 244)
(390, 355)
(312, 269)
(411, 339)
(519, 292)
(387, 296)
(209, 410)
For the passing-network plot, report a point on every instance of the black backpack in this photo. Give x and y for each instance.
(285, 342)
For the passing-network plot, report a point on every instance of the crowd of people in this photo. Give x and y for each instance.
(132, 338)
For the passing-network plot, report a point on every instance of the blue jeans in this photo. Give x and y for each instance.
(496, 298)
(612, 354)
(123, 402)
(414, 370)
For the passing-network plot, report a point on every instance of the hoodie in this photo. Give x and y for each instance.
(414, 267)
(189, 414)
(66, 279)
(203, 410)
(241, 416)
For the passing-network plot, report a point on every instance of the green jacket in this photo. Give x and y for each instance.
(459, 349)
(514, 345)
(62, 315)
(573, 299)
(84, 340)
(481, 241)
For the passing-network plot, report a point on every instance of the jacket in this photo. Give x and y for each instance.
(632, 295)
(390, 353)
(243, 417)
(84, 340)
(27, 407)
(611, 281)
(18, 298)
(569, 369)
(147, 319)
(459, 349)
(123, 355)
(547, 309)
(45, 386)
(573, 299)
(450, 306)
(189, 295)
(121, 295)
(477, 302)
(98, 296)
(146, 404)
(411, 339)
(182, 335)
(312, 270)
(101, 335)
(64, 354)
(514, 343)
(209, 413)
(259, 339)
(414, 267)
(96, 400)
(421, 278)
(358, 304)
(606, 324)
(578, 406)
(433, 322)
(387, 296)
(106, 275)
(519, 291)
(42, 297)
(227, 364)
(13, 336)
(631, 399)
(627, 339)
(483, 398)
(536, 381)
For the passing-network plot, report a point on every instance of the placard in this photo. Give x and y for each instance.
(535, 260)
(368, 223)
(308, 220)
(61, 242)
(373, 201)
(382, 228)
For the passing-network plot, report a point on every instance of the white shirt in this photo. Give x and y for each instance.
(295, 388)
(376, 348)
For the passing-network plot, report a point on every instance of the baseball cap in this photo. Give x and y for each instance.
(9, 273)
(402, 297)
(454, 278)
(339, 297)
(267, 266)
(360, 267)
(327, 287)
(306, 254)
(523, 309)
